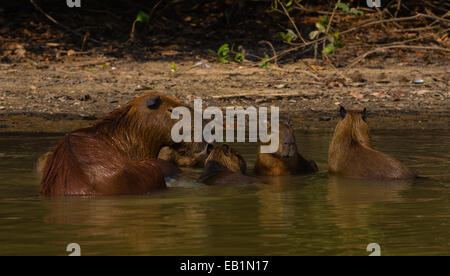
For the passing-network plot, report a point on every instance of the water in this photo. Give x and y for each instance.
(302, 215)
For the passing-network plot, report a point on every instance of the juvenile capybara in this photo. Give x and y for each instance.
(184, 155)
(225, 166)
(351, 153)
(116, 155)
(287, 160)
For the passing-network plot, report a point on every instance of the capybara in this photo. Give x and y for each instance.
(116, 155)
(184, 155)
(351, 153)
(287, 160)
(225, 166)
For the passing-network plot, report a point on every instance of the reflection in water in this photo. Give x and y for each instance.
(352, 198)
(295, 215)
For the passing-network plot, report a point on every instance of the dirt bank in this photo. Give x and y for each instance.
(60, 96)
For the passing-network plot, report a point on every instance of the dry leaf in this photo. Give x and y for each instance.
(357, 95)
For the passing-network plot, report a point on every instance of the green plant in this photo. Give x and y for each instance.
(223, 53)
(239, 57)
(141, 17)
(265, 63)
(323, 26)
(346, 8)
(173, 67)
(286, 3)
(288, 36)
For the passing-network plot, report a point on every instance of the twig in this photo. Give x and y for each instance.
(344, 32)
(59, 24)
(368, 24)
(292, 21)
(399, 5)
(273, 50)
(417, 29)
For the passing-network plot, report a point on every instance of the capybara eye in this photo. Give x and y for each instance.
(154, 102)
(343, 112)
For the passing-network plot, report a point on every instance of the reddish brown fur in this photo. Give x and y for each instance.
(351, 153)
(194, 156)
(225, 166)
(287, 160)
(114, 156)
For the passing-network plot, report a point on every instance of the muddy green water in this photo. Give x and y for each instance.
(305, 215)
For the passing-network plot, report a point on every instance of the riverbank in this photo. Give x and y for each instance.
(61, 96)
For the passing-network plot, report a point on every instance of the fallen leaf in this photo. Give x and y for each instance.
(316, 67)
(357, 95)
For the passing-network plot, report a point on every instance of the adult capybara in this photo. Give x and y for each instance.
(225, 166)
(287, 160)
(116, 155)
(351, 153)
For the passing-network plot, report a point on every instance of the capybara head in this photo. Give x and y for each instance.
(143, 126)
(286, 160)
(228, 158)
(353, 123)
(287, 147)
(186, 155)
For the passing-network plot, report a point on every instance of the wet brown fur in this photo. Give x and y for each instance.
(287, 160)
(351, 154)
(115, 155)
(225, 166)
(182, 156)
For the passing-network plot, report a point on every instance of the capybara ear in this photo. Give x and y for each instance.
(364, 114)
(343, 112)
(154, 102)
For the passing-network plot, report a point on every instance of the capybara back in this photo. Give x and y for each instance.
(351, 154)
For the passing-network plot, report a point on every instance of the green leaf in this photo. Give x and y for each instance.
(288, 36)
(333, 38)
(265, 64)
(313, 35)
(223, 60)
(343, 6)
(223, 53)
(143, 17)
(239, 57)
(173, 66)
(323, 19)
(224, 50)
(275, 5)
(320, 26)
(328, 49)
(356, 12)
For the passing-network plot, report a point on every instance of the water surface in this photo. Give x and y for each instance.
(302, 215)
